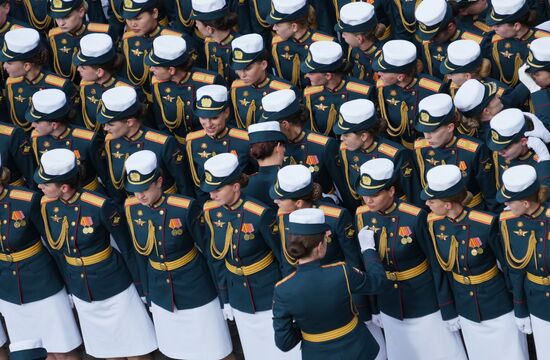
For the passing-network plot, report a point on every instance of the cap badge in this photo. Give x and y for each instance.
(128, 4)
(135, 176)
(208, 176)
(366, 180)
(494, 135)
(206, 102)
(57, 4)
(238, 54)
(424, 116)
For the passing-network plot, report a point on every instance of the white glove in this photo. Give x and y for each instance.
(539, 130)
(377, 320)
(527, 80)
(539, 147)
(453, 324)
(227, 312)
(366, 239)
(524, 325)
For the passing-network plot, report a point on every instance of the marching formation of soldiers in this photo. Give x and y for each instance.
(339, 179)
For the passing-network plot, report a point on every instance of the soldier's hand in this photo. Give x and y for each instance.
(377, 320)
(527, 80)
(524, 325)
(539, 147)
(453, 324)
(539, 130)
(228, 312)
(366, 239)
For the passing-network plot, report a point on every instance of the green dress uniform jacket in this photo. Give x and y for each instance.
(323, 103)
(404, 169)
(170, 156)
(507, 55)
(32, 12)
(319, 153)
(260, 182)
(433, 54)
(314, 305)
(475, 24)
(399, 106)
(472, 158)
(402, 19)
(541, 105)
(218, 56)
(201, 147)
(27, 271)
(79, 231)
(247, 99)
(167, 235)
(406, 253)
(287, 55)
(18, 93)
(362, 62)
(468, 248)
(341, 245)
(173, 102)
(244, 248)
(16, 155)
(527, 255)
(88, 150)
(64, 45)
(90, 96)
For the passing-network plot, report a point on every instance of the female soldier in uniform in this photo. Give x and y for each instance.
(242, 244)
(467, 247)
(24, 57)
(166, 231)
(314, 304)
(32, 298)
(525, 231)
(410, 307)
(215, 23)
(78, 226)
(267, 147)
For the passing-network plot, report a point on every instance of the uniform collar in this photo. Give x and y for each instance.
(452, 142)
(371, 148)
(263, 83)
(4, 28)
(270, 169)
(65, 133)
(526, 156)
(389, 210)
(527, 35)
(222, 134)
(235, 206)
(412, 83)
(80, 31)
(72, 200)
(227, 40)
(456, 35)
(4, 193)
(37, 79)
(136, 136)
(299, 138)
(109, 82)
(339, 87)
(304, 37)
(153, 33)
(460, 217)
(158, 202)
(185, 78)
(371, 50)
(537, 213)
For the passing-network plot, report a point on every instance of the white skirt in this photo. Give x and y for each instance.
(379, 337)
(50, 320)
(541, 331)
(199, 333)
(423, 338)
(258, 337)
(494, 339)
(116, 327)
